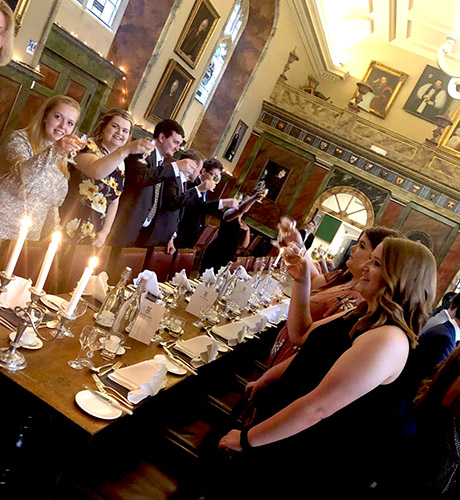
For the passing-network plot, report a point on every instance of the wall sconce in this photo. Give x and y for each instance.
(363, 89)
(292, 57)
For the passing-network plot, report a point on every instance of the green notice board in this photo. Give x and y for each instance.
(328, 227)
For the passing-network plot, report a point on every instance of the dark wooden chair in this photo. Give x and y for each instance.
(183, 259)
(239, 261)
(261, 263)
(30, 260)
(249, 264)
(252, 245)
(160, 262)
(75, 261)
(130, 257)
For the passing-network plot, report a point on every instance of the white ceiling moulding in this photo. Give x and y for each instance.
(311, 32)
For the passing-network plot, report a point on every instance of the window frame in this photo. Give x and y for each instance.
(83, 4)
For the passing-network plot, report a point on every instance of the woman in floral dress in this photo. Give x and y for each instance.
(97, 180)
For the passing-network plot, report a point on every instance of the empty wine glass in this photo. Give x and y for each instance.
(88, 336)
(80, 141)
(164, 323)
(144, 157)
(200, 323)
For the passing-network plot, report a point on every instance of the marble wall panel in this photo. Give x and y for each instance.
(448, 269)
(8, 95)
(391, 214)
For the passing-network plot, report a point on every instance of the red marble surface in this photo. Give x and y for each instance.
(236, 76)
(448, 268)
(134, 43)
(391, 214)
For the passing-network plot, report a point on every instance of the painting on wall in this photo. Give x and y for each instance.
(170, 93)
(19, 8)
(382, 84)
(197, 31)
(235, 141)
(429, 97)
(450, 139)
(273, 178)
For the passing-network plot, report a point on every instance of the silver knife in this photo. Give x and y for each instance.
(179, 361)
(108, 400)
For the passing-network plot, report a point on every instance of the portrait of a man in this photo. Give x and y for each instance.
(197, 32)
(273, 178)
(170, 93)
(429, 97)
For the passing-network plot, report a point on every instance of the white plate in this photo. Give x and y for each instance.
(170, 366)
(53, 302)
(96, 407)
(38, 344)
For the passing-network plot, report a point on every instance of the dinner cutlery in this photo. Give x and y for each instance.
(97, 369)
(108, 400)
(179, 361)
(114, 367)
(105, 389)
(221, 342)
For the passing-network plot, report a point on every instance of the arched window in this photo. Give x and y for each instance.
(223, 52)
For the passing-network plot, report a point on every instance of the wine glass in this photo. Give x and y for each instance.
(164, 323)
(264, 194)
(200, 323)
(144, 157)
(88, 336)
(61, 329)
(80, 140)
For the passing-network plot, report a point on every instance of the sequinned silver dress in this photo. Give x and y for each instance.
(30, 185)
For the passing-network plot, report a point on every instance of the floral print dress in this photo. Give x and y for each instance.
(86, 205)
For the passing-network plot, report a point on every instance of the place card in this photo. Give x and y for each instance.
(202, 297)
(242, 293)
(148, 321)
(270, 284)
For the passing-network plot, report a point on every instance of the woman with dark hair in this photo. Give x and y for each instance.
(33, 169)
(332, 292)
(97, 180)
(328, 419)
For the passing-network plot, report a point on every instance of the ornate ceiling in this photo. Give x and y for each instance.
(329, 28)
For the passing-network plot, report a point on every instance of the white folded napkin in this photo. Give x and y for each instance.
(143, 379)
(152, 282)
(201, 350)
(17, 293)
(273, 314)
(97, 286)
(208, 277)
(233, 333)
(181, 279)
(241, 272)
(256, 323)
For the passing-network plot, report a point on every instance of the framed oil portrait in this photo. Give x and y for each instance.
(383, 84)
(197, 31)
(170, 93)
(235, 141)
(273, 178)
(450, 139)
(19, 8)
(429, 97)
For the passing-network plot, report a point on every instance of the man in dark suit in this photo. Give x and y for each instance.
(194, 216)
(307, 234)
(175, 196)
(138, 203)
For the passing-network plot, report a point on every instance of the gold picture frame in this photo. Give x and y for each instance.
(450, 138)
(170, 93)
(19, 8)
(197, 32)
(384, 85)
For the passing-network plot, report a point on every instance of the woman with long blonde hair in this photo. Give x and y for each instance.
(97, 181)
(329, 419)
(6, 33)
(33, 169)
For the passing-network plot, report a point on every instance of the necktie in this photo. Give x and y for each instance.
(156, 197)
(184, 186)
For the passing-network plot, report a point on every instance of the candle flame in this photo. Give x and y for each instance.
(56, 237)
(93, 262)
(26, 222)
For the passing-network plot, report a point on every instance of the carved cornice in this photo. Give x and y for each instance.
(412, 171)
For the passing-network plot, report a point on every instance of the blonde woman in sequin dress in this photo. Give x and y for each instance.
(33, 169)
(97, 180)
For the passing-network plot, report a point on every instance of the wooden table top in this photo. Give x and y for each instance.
(49, 377)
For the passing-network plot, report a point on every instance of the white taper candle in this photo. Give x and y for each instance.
(49, 257)
(13, 260)
(78, 292)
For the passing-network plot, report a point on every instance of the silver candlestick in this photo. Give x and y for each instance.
(5, 281)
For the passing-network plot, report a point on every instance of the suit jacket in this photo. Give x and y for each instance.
(166, 222)
(193, 219)
(309, 240)
(137, 198)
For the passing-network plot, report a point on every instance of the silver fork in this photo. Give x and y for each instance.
(106, 388)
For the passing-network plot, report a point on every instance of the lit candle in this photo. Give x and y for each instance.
(46, 266)
(278, 257)
(78, 292)
(24, 229)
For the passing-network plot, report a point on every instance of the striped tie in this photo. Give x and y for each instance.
(156, 197)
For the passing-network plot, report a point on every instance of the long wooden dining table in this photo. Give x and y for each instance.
(49, 385)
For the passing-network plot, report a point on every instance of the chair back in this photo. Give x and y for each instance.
(252, 245)
(77, 260)
(240, 261)
(160, 262)
(30, 259)
(259, 263)
(249, 264)
(130, 257)
(205, 236)
(184, 259)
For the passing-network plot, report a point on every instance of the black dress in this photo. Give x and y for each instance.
(223, 248)
(345, 453)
